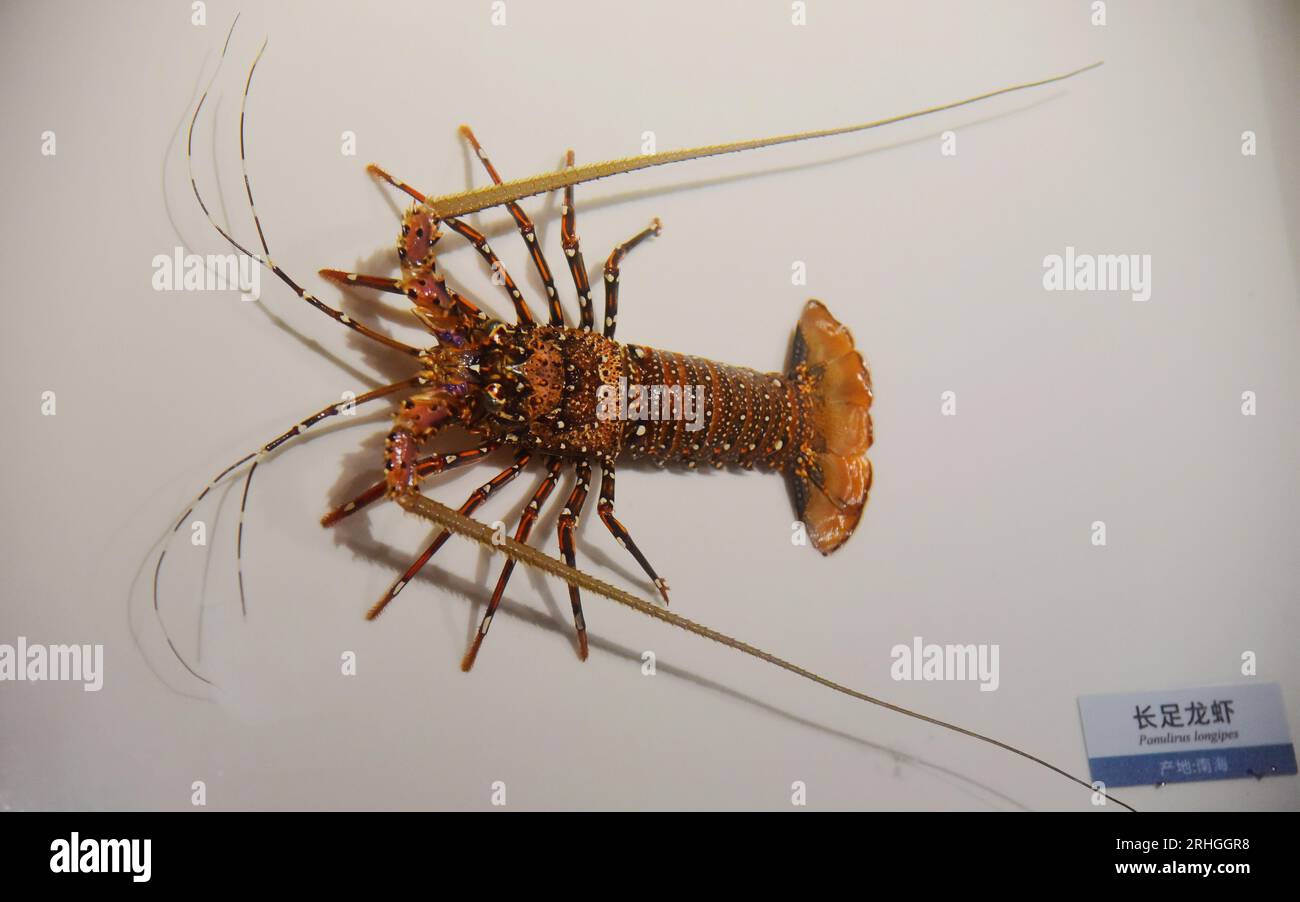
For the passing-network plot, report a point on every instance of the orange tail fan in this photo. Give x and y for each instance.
(831, 495)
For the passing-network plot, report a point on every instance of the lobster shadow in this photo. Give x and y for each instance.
(356, 536)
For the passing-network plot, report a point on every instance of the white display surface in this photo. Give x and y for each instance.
(1072, 407)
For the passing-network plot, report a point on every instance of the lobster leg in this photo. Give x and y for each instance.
(476, 498)
(479, 240)
(470, 234)
(567, 523)
(526, 229)
(379, 283)
(526, 521)
(573, 253)
(424, 467)
(611, 273)
(606, 511)
(424, 287)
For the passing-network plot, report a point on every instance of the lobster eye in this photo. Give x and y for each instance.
(495, 390)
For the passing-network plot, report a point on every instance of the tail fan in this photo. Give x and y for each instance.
(832, 488)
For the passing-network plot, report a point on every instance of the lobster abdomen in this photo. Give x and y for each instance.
(689, 410)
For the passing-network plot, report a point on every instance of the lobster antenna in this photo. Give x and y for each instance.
(460, 203)
(429, 509)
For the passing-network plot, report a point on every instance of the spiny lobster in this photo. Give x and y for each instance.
(538, 387)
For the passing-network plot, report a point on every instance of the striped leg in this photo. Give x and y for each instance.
(526, 229)
(611, 273)
(526, 521)
(573, 253)
(522, 311)
(424, 467)
(419, 283)
(567, 523)
(606, 511)
(379, 283)
(471, 504)
(424, 287)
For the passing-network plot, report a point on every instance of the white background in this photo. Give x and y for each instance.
(1071, 407)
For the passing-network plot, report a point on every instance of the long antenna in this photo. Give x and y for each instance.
(460, 203)
(426, 507)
